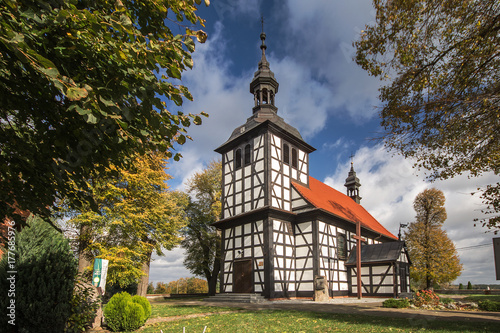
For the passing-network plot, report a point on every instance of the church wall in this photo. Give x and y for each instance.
(282, 172)
(376, 280)
(243, 185)
(283, 259)
(304, 258)
(240, 242)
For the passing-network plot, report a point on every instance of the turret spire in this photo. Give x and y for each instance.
(352, 183)
(264, 86)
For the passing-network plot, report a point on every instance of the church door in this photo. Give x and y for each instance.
(242, 276)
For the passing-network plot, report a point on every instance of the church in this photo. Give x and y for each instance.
(282, 229)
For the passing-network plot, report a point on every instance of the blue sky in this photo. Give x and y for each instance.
(329, 99)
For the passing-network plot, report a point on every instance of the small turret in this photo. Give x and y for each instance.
(352, 183)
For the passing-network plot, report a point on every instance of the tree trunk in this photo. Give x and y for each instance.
(142, 287)
(83, 254)
(212, 281)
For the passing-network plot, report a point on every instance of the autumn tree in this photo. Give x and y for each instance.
(201, 240)
(137, 216)
(442, 103)
(433, 255)
(87, 84)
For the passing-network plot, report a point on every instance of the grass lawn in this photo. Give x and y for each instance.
(294, 321)
(477, 298)
(167, 310)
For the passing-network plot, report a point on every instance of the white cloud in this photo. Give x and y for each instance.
(169, 267)
(389, 186)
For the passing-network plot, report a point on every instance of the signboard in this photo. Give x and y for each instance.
(100, 273)
(496, 252)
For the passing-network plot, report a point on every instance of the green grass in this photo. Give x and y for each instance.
(166, 310)
(477, 298)
(294, 321)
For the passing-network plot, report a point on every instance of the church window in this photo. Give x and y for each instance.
(237, 159)
(286, 154)
(247, 154)
(294, 158)
(342, 246)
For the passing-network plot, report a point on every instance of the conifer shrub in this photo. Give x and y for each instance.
(396, 303)
(469, 285)
(126, 313)
(461, 286)
(488, 305)
(45, 275)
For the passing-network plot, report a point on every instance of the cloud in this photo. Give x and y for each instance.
(169, 267)
(389, 186)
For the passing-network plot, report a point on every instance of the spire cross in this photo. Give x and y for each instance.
(352, 158)
(262, 21)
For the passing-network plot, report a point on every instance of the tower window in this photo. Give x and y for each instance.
(294, 158)
(237, 159)
(286, 154)
(247, 155)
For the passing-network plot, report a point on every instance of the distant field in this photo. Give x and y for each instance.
(294, 321)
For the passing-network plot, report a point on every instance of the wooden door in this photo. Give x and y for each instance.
(243, 276)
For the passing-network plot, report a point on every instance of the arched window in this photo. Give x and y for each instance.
(294, 158)
(286, 154)
(247, 155)
(237, 159)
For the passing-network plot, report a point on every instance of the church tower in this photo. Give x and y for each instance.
(352, 183)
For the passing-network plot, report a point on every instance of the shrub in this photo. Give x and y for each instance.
(396, 303)
(460, 286)
(46, 272)
(126, 313)
(446, 300)
(469, 285)
(488, 305)
(84, 306)
(425, 297)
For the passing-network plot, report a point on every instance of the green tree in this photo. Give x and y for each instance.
(87, 84)
(433, 255)
(469, 285)
(202, 240)
(151, 288)
(442, 103)
(42, 285)
(138, 215)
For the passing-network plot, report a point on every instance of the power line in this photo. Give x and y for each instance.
(474, 246)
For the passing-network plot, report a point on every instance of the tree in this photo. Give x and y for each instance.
(87, 84)
(137, 216)
(37, 279)
(433, 254)
(442, 103)
(202, 240)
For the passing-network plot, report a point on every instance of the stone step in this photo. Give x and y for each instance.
(233, 297)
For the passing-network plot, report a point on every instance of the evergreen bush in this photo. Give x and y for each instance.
(460, 286)
(469, 285)
(44, 279)
(126, 313)
(488, 305)
(396, 303)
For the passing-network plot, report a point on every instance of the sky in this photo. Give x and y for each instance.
(330, 100)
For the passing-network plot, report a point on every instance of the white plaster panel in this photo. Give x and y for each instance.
(365, 270)
(256, 277)
(237, 198)
(343, 286)
(227, 232)
(279, 238)
(229, 155)
(276, 179)
(227, 179)
(237, 186)
(286, 205)
(229, 278)
(259, 166)
(302, 155)
(276, 140)
(289, 263)
(303, 178)
(247, 241)
(305, 286)
(276, 225)
(260, 226)
(289, 251)
(365, 280)
(248, 182)
(275, 202)
(388, 279)
(278, 287)
(299, 203)
(379, 269)
(305, 227)
(258, 251)
(295, 194)
(237, 242)
(229, 288)
(237, 174)
(342, 276)
(286, 194)
(309, 238)
(275, 164)
(247, 228)
(227, 266)
(237, 230)
(291, 285)
(341, 265)
(247, 169)
(229, 255)
(376, 280)
(258, 287)
(229, 244)
(335, 287)
(279, 250)
(324, 251)
(229, 200)
(227, 213)
(321, 226)
(259, 203)
(385, 290)
(286, 170)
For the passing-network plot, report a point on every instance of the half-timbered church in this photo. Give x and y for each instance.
(283, 229)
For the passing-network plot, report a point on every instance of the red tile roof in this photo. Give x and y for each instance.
(323, 196)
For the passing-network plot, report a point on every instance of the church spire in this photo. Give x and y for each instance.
(352, 183)
(264, 86)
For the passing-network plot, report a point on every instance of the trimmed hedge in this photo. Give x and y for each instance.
(396, 303)
(126, 313)
(488, 305)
